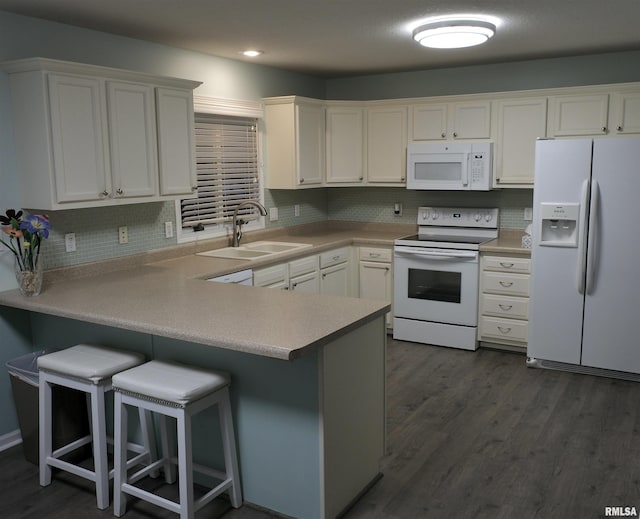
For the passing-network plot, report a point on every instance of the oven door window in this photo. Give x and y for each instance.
(434, 285)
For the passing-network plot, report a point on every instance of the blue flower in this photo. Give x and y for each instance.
(36, 224)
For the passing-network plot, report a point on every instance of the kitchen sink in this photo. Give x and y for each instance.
(274, 246)
(255, 250)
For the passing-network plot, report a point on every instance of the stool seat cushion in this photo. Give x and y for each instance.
(93, 363)
(170, 381)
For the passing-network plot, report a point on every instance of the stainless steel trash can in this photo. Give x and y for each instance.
(70, 418)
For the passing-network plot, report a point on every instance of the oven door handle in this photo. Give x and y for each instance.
(436, 255)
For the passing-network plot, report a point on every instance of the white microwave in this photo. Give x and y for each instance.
(456, 166)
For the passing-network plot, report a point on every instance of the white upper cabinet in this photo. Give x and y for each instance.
(519, 122)
(387, 145)
(176, 141)
(132, 140)
(575, 115)
(447, 121)
(345, 145)
(86, 136)
(625, 113)
(295, 137)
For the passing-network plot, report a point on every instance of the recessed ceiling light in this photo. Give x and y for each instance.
(453, 33)
(252, 53)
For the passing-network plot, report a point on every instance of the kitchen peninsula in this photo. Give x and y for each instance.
(307, 370)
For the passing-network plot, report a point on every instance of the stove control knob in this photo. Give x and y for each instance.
(478, 217)
(434, 215)
(488, 217)
(424, 214)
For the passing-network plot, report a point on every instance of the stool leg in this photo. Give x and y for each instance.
(169, 471)
(148, 438)
(229, 447)
(119, 455)
(45, 433)
(185, 466)
(101, 466)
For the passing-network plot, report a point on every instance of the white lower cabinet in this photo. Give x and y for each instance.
(334, 272)
(504, 300)
(375, 275)
(301, 275)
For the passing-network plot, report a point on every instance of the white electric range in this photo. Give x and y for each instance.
(436, 275)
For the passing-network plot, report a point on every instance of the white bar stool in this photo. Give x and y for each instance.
(179, 391)
(89, 369)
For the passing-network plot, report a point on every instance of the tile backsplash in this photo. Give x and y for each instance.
(96, 229)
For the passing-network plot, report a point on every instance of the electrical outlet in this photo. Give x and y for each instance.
(123, 234)
(528, 213)
(397, 209)
(168, 229)
(70, 242)
(296, 210)
(273, 214)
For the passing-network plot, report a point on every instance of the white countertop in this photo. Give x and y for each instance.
(171, 298)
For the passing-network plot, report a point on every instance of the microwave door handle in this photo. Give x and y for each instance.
(465, 173)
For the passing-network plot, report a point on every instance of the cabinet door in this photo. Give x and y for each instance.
(626, 118)
(345, 145)
(519, 123)
(310, 147)
(308, 283)
(334, 280)
(132, 139)
(376, 282)
(387, 145)
(79, 138)
(429, 122)
(471, 120)
(578, 115)
(176, 143)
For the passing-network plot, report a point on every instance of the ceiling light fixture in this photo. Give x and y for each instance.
(453, 34)
(252, 53)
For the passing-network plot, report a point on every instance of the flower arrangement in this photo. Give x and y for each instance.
(25, 235)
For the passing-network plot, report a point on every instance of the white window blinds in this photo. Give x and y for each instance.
(227, 166)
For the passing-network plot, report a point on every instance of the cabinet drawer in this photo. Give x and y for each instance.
(505, 306)
(510, 284)
(510, 264)
(333, 257)
(270, 275)
(303, 266)
(375, 254)
(506, 329)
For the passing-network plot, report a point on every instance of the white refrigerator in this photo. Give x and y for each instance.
(585, 258)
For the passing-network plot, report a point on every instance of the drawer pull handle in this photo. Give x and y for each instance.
(374, 254)
(506, 284)
(335, 258)
(504, 330)
(506, 265)
(505, 308)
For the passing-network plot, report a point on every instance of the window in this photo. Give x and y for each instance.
(228, 170)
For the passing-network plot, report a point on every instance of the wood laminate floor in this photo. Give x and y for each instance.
(470, 435)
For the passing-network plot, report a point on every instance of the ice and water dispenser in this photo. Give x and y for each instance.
(559, 225)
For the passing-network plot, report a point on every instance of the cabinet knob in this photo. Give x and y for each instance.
(619, 128)
(455, 134)
(194, 188)
(604, 129)
(302, 180)
(104, 193)
(119, 191)
(361, 178)
(443, 135)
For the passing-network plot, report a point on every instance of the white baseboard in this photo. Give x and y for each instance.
(10, 440)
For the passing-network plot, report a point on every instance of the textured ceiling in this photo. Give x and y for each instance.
(350, 37)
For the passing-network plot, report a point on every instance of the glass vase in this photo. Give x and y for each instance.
(29, 280)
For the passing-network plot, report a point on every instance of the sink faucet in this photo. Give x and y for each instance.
(237, 224)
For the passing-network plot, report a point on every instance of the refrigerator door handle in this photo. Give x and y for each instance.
(582, 239)
(593, 233)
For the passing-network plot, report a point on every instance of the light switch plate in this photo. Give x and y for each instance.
(70, 242)
(273, 214)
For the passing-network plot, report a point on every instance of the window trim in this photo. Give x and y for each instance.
(234, 108)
